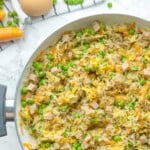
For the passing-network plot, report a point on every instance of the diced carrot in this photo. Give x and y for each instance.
(2, 15)
(10, 33)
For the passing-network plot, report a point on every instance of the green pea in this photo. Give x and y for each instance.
(90, 31)
(116, 138)
(123, 58)
(121, 104)
(142, 81)
(79, 34)
(37, 65)
(131, 31)
(102, 40)
(134, 67)
(102, 54)
(71, 63)
(103, 26)
(109, 5)
(14, 13)
(93, 120)
(23, 103)
(50, 57)
(30, 101)
(96, 138)
(41, 74)
(50, 65)
(64, 108)
(132, 105)
(42, 82)
(65, 134)
(148, 96)
(46, 144)
(112, 75)
(77, 115)
(87, 69)
(24, 90)
(16, 20)
(9, 22)
(10, 14)
(144, 60)
(77, 146)
(130, 143)
(54, 2)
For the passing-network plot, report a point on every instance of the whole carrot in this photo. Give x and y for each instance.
(2, 15)
(10, 33)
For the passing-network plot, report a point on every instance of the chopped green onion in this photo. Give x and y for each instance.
(64, 108)
(42, 82)
(144, 60)
(109, 5)
(93, 120)
(79, 34)
(90, 31)
(50, 65)
(77, 146)
(96, 138)
(116, 138)
(24, 90)
(71, 63)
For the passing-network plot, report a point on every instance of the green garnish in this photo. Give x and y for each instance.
(24, 90)
(63, 67)
(46, 144)
(120, 104)
(72, 63)
(50, 65)
(109, 5)
(142, 81)
(144, 60)
(96, 138)
(10, 14)
(79, 34)
(73, 2)
(93, 120)
(90, 31)
(116, 138)
(42, 82)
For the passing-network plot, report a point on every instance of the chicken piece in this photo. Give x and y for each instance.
(87, 110)
(96, 26)
(54, 70)
(110, 128)
(66, 38)
(146, 72)
(143, 139)
(78, 134)
(33, 78)
(108, 109)
(56, 146)
(94, 105)
(125, 66)
(146, 35)
(33, 109)
(86, 141)
(49, 116)
(32, 87)
(70, 54)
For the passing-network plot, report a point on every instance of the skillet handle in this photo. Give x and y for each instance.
(3, 131)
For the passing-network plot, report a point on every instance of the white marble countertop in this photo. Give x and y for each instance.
(14, 58)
